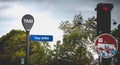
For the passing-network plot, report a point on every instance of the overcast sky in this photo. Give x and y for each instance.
(48, 14)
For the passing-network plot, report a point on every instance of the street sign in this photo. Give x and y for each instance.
(41, 38)
(106, 45)
(27, 22)
(22, 61)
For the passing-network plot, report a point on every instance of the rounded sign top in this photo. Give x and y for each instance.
(106, 45)
(27, 22)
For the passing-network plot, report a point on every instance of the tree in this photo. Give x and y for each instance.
(40, 53)
(77, 36)
(75, 50)
(116, 34)
(12, 49)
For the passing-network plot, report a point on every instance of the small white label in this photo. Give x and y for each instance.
(100, 39)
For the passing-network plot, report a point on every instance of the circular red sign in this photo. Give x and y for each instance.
(106, 45)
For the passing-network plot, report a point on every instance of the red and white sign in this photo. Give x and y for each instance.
(106, 45)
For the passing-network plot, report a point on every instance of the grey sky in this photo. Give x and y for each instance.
(64, 9)
(60, 10)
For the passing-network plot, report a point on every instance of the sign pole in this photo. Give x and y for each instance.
(99, 60)
(27, 47)
(27, 22)
(104, 24)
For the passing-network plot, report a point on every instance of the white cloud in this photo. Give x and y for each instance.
(43, 25)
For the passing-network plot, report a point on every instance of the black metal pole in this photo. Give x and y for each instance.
(27, 47)
(104, 24)
(99, 60)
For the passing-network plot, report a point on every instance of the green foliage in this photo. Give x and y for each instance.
(116, 34)
(74, 50)
(13, 45)
(77, 38)
(40, 53)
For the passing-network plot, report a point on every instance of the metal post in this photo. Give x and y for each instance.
(99, 60)
(27, 47)
(27, 22)
(104, 24)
